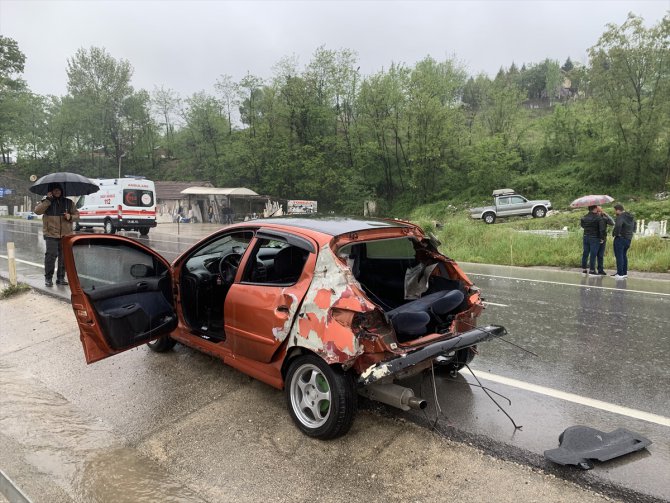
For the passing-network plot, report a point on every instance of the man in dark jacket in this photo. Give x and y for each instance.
(58, 214)
(603, 244)
(624, 227)
(594, 234)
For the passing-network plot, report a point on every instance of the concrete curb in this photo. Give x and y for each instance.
(11, 491)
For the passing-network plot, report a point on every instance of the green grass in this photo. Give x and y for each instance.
(468, 240)
(12, 290)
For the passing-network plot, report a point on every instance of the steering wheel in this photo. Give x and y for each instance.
(228, 267)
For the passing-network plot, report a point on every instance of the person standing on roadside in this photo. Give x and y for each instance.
(594, 235)
(58, 214)
(603, 244)
(624, 227)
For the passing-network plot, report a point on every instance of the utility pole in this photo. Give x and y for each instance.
(121, 157)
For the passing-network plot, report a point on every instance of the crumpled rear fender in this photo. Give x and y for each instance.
(320, 326)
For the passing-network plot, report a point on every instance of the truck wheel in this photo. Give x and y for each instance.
(144, 231)
(540, 212)
(489, 218)
(109, 227)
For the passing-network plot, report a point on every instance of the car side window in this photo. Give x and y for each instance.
(503, 201)
(275, 262)
(112, 263)
(518, 200)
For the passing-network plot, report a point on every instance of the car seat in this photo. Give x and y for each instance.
(414, 319)
(288, 264)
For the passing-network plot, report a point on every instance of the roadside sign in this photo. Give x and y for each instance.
(297, 206)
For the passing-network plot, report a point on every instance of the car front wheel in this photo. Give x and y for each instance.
(490, 218)
(162, 344)
(321, 399)
(539, 212)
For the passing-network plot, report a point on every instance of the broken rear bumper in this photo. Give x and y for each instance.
(464, 340)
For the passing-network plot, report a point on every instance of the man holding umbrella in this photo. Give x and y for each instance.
(58, 214)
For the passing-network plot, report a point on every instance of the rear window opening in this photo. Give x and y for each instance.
(417, 296)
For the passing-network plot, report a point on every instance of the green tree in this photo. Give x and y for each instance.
(630, 78)
(99, 85)
(13, 95)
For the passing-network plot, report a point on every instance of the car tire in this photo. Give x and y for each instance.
(109, 227)
(76, 226)
(489, 218)
(321, 399)
(451, 365)
(144, 231)
(540, 212)
(162, 345)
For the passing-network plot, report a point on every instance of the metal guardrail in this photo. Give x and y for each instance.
(10, 491)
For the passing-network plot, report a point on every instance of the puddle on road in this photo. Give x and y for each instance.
(80, 453)
(122, 476)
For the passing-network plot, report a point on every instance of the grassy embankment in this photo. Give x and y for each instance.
(468, 240)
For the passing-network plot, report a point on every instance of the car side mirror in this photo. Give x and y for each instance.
(141, 271)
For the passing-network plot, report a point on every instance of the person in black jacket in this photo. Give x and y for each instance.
(595, 229)
(624, 227)
(603, 244)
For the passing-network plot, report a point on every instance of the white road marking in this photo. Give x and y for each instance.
(495, 304)
(23, 261)
(567, 284)
(578, 399)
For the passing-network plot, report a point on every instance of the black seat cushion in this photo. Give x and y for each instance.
(439, 303)
(413, 319)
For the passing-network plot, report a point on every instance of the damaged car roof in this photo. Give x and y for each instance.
(335, 226)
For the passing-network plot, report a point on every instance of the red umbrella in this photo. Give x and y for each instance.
(592, 200)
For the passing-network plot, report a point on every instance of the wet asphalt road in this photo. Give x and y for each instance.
(594, 339)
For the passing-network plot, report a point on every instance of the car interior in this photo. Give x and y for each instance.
(209, 273)
(381, 267)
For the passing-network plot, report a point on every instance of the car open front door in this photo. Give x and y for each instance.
(121, 293)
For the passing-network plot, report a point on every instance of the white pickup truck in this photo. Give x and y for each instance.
(507, 203)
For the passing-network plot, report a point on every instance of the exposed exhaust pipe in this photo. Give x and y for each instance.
(394, 395)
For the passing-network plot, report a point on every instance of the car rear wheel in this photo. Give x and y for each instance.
(109, 227)
(163, 344)
(489, 218)
(144, 231)
(450, 364)
(321, 399)
(539, 212)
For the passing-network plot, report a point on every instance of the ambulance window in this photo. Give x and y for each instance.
(80, 201)
(135, 197)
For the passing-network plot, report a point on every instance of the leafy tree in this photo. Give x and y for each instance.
(13, 97)
(630, 78)
(165, 104)
(99, 85)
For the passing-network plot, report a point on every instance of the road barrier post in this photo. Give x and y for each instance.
(11, 263)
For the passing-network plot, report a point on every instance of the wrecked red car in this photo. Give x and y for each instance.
(324, 308)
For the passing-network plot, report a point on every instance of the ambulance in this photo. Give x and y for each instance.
(120, 204)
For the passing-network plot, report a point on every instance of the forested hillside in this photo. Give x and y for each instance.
(407, 135)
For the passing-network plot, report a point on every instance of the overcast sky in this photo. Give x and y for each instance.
(186, 45)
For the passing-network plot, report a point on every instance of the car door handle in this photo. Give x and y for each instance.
(142, 285)
(283, 309)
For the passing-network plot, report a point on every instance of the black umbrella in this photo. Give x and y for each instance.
(71, 183)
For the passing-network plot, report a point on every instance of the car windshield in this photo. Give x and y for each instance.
(231, 243)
